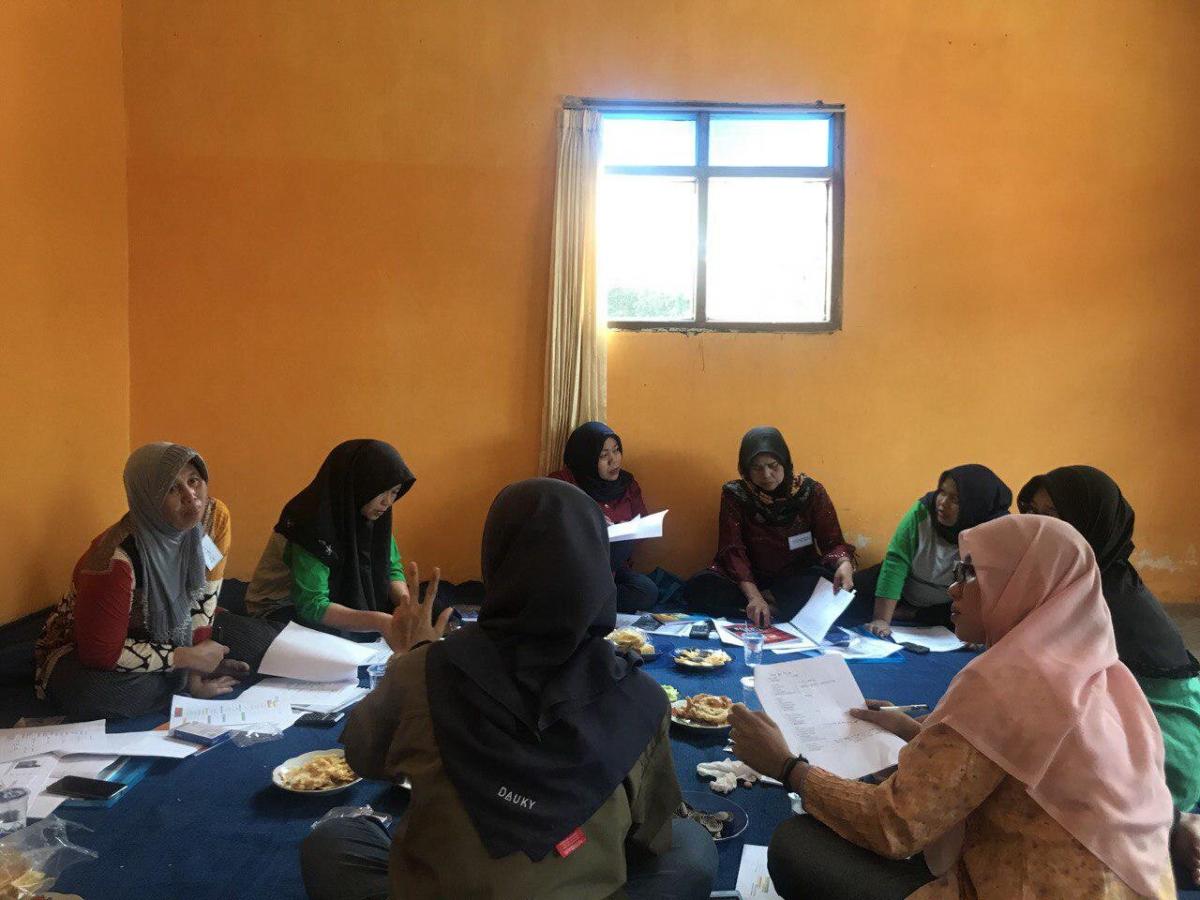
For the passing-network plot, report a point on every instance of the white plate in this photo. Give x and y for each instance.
(285, 768)
(688, 723)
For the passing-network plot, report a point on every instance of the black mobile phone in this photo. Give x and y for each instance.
(700, 631)
(319, 718)
(914, 648)
(85, 788)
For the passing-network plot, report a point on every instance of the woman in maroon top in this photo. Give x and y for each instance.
(778, 534)
(592, 461)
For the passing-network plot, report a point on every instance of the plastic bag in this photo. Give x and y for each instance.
(32, 858)
(349, 812)
(250, 735)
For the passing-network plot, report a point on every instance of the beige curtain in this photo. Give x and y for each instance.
(576, 357)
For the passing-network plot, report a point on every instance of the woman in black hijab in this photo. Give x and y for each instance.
(777, 535)
(592, 461)
(1148, 642)
(538, 753)
(912, 583)
(332, 561)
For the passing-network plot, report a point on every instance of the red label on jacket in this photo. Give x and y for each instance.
(570, 843)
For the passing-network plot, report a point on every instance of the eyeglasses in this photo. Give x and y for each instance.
(963, 571)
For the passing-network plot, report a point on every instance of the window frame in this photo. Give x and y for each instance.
(701, 112)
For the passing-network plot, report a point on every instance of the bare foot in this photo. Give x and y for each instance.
(1185, 846)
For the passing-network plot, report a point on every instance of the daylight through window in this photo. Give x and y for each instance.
(721, 217)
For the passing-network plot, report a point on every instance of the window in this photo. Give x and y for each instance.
(720, 217)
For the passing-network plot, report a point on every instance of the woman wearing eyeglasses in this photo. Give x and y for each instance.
(1038, 773)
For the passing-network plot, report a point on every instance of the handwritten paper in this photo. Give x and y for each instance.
(937, 638)
(309, 655)
(16, 743)
(810, 700)
(753, 879)
(824, 606)
(638, 528)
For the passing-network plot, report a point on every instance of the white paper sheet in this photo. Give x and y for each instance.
(380, 652)
(152, 743)
(824, 606)
(753, 879)
(936, 638)
(16, 743)
(863, 647)
(266, 708)
(309, 655)
(33, 773)
(85, 765)
(320, 696)
(810, 700)
(638, 528)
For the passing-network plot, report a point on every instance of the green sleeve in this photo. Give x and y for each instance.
(310, 584)
(897, 562)
(397, 564)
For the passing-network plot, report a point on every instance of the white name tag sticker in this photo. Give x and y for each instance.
(796, 541)
(212, 555)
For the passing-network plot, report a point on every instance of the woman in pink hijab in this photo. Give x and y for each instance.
(1039, 773)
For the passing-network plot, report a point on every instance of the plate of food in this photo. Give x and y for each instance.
(705, 712)
(719, 816)
(319, 772)
(633, 639)
(699, 658)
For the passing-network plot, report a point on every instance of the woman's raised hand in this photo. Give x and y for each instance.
(412, 620)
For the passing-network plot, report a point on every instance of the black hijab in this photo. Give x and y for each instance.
(582, 457)
(1148, 642)
(325, 520)
(982, 496)
(531, 703)
(782, 505)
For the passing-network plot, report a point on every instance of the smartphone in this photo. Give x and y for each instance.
(85, 788)
(914, 648)
(700, 631)
(319, 718)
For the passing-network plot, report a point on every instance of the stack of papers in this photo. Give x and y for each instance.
(261, 709)
(638, 528)
(806, 630)
(937, 638)
(753, 879)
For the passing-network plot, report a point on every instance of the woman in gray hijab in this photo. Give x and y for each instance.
(139, 621)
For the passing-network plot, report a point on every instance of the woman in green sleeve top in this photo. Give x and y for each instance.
(332, 561)
(911, 584)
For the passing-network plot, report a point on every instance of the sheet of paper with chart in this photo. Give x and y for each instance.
(810, 700)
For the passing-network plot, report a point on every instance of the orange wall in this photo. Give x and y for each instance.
(64, 335)
(339, 226)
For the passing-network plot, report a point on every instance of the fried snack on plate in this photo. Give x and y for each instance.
(707, 709)
(632, 639)
(321, 773)
(693, 656)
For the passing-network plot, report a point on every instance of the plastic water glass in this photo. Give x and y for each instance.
(375, 673)
(752, 643)
(14, 806)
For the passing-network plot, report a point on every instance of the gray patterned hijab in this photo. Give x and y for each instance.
(172, 569)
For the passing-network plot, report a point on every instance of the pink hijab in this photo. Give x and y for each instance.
(1050, 703)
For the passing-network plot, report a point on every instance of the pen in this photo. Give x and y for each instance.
(912, 707)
